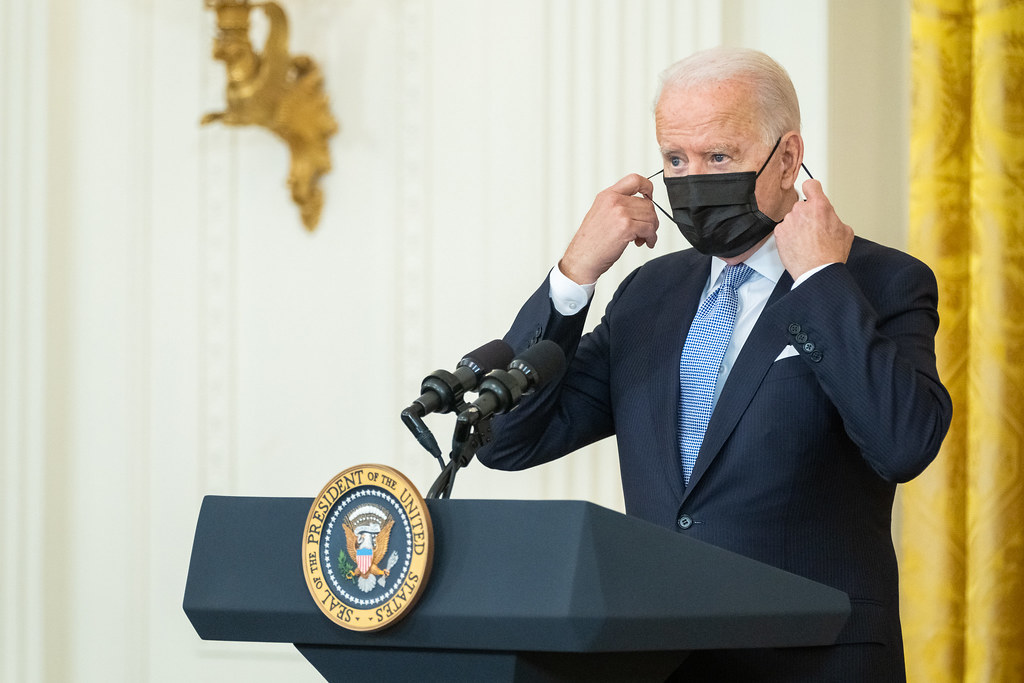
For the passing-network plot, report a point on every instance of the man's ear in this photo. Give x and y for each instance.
(791, 155)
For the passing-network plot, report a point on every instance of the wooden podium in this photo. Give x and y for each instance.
(519, 591)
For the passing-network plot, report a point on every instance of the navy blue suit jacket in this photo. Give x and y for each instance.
(801, 458)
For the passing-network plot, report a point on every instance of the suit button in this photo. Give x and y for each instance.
(685, 522)
(816, 356)
(801, 338)
(808, 347)
(794, 328)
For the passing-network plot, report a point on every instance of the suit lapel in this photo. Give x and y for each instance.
(754, 360)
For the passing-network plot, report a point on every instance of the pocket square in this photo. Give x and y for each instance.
(787, 352)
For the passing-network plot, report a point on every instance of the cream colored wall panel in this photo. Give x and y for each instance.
(24, 361)
(190, 258)
(869, 109)
(108, 309)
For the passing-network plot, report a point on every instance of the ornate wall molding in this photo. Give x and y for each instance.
(217, 183)
(25, 350)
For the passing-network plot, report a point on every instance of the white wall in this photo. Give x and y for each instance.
(169, 330)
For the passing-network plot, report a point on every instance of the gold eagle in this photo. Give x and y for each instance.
(379, 544)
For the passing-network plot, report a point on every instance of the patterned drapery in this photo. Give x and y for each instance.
(963, 519)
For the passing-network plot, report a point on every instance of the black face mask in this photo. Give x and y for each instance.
(717, 212)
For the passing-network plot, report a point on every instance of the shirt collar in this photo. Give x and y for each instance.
(765, 262)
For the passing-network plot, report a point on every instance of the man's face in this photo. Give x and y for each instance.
(712, 129)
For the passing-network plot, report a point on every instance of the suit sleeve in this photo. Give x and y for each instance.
(874, 356)
(571, 411)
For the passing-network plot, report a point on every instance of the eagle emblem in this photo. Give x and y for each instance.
(372, 576)
(367, 533)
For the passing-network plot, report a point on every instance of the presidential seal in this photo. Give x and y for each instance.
(367, 548)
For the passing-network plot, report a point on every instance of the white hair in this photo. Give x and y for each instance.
(773, 91)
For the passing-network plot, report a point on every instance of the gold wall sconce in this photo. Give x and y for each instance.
(278, 91)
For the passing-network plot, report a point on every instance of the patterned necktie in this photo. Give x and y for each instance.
(701, 361)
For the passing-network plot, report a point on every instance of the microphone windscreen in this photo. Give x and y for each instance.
(541, 362)
(494, 354)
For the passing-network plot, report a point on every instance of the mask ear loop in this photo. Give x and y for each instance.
(770, 155)
(656, 203)
(765, 165)
(804, 166)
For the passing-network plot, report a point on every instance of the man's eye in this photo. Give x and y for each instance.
(718, 158)
(676, 162)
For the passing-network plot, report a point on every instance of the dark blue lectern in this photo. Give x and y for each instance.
(519, 591)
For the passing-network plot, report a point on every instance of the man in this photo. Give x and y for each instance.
(824, 391)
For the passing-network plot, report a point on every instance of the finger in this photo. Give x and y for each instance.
(646, 232)
(812, 189)
(650, 240)
(633, 183)
(641, 208)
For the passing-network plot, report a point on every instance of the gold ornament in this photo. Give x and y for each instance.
(278, 91)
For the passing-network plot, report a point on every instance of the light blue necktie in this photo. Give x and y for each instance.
(701, 361)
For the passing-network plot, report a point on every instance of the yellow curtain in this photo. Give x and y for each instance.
(963, 519)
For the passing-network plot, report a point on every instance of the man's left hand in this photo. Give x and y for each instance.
(812, 234)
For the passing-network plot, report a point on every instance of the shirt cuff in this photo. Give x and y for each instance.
(803, 278)
(567, 297)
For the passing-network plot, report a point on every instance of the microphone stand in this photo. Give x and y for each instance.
(471, 432)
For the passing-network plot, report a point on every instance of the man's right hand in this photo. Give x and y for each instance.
(617, 217)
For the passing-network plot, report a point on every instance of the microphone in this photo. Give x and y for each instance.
(501, 390)
(442, 391)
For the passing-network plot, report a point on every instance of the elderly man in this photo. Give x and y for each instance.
(769, 387)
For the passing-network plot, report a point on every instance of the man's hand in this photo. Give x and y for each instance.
(812, 234)
(617, 217)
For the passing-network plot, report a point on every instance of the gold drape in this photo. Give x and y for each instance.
(963, 519)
